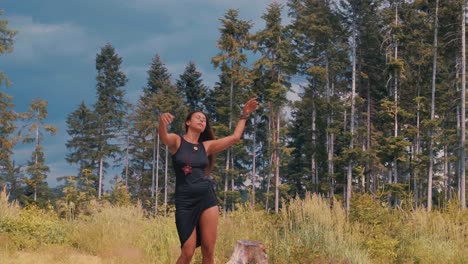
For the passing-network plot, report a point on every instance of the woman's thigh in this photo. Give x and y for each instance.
(209, 226)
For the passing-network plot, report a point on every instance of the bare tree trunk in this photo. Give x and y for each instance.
(233, 206)
(153, 166)
(100, 178)
(126, 160)
(156, 163)
(395, 160)
(228, 154)
(330, 141)
(349, 177)
(431, 132)
(313, 163)
(271, 146)
(165, 180)
(254, 160)
(268, 185)
(462, 110)
(417, 152)
(446, 173)
(370, 178)
(36, 160)
(277, 161)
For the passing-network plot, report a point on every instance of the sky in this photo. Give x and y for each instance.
(58, 40)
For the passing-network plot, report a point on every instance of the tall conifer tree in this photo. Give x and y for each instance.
(191, 86)
(35, 133)
(81, 127)
(8, 170)
(233, 43)
(110, 107)
(273, 70)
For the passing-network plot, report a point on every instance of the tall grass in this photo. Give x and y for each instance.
(434, 237)
(306, 230)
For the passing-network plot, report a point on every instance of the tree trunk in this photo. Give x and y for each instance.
(417, 151)
(153, 166)
(268, 184)
(313, 163)
(36, 160)
(165, 180)
(277, 181)
(233, 202)
(254, 167)
(331, 148)
(248, 251)
(431, 132)
(462, 110)
(395, 97)
(100, 178)
(446, 173)
(156, 177)
(349, 177)
(226, 180)
(126, 159)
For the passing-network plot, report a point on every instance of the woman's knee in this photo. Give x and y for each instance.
(187, 253)
(208, 250)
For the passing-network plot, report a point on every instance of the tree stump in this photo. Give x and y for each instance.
(249, 252)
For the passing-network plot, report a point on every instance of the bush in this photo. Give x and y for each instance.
(31, 228)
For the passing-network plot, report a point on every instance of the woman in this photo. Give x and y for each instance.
(192, 157)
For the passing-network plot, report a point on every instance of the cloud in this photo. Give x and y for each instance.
(198, 12)
(181, 5)
(37, 41)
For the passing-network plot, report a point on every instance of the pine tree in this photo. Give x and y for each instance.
(158, 77)
(145, 160)
(110, 107)
(170, 100)
(233, 43)
(192, 87)
(81, 125)
(273, 71)
(322, 57)
(36, 167)
(8, 171)
(6, 44)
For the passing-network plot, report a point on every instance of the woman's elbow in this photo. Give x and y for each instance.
(236, 139)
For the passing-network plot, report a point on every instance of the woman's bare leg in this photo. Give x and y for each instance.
(188, 249)
(208, 229)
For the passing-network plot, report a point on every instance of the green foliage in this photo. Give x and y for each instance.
(6, 45)
(82, 128)
(377, 221)
(32, 228)
(120, 196)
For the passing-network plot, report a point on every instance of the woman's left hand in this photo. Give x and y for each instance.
(250, 106)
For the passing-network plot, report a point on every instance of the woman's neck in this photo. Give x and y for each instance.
(192, 137)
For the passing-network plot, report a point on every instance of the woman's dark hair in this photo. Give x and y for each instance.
(206, 135)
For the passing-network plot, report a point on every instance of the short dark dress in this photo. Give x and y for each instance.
(194, 191)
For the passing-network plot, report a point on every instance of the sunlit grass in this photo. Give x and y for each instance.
(435, 237)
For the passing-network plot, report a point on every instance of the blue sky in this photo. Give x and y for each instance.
(55, 49)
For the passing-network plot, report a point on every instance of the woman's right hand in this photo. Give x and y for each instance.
(166, 119)
(170, 139)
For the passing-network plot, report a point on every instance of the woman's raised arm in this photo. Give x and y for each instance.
(171, 140)
(218, 145)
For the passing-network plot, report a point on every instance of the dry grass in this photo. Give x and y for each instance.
(306, 231)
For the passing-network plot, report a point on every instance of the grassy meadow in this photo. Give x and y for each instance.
(307, 230)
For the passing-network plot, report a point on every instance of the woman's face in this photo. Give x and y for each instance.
(197, 122)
